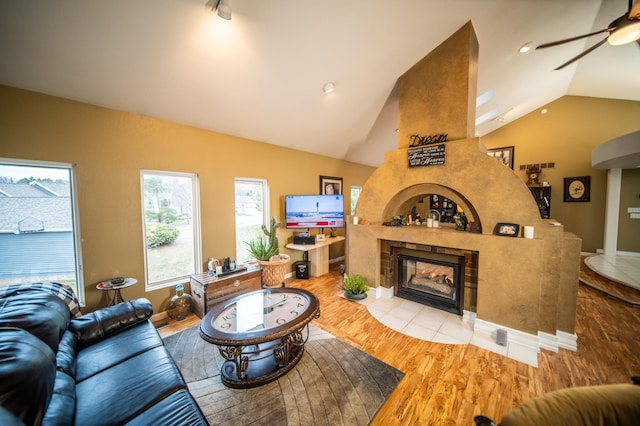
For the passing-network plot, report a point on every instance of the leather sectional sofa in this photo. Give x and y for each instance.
(108, 367)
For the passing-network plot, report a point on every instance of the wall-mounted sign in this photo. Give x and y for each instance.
(418, 140)
(432, 155)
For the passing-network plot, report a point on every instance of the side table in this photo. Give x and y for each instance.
(117, 297)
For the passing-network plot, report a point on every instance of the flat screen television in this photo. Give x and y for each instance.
(314, 211)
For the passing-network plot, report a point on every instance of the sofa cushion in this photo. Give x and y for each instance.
(39, 312)
(120, 393)
(66, 356)
(27, 374)
(116, 349)
(63, 402)
(179, 408)
(105, 322)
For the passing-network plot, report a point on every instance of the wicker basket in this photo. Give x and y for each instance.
(274, 271)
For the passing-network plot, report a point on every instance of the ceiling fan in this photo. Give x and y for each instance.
(624, 30)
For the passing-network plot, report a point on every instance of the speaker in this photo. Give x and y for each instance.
(501, 337)
(302, 269)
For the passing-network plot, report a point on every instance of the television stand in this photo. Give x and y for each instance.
(317, 254)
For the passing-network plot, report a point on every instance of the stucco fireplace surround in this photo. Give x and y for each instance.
(527, 287)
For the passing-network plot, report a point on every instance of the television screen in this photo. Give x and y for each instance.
(314, 211)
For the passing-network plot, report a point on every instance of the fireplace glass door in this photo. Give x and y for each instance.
(431, 282)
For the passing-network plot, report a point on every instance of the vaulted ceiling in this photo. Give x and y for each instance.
(260, 75)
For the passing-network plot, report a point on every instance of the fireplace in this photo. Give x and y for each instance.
(433, 279)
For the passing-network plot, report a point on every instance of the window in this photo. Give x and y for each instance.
(39, 230)
(171, 227)
(355, 194)
(251, 211)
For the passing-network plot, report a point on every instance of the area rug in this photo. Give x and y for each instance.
(333, 384)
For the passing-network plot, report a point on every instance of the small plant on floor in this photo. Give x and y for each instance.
(355, 285)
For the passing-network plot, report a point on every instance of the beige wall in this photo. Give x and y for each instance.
(629, 229)
(110, 148)
(566, 135)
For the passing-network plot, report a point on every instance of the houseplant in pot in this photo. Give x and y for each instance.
(354, 287)
(267, 252)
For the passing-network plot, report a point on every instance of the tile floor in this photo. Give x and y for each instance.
(426, 323)
(622, 269)
(423, 322)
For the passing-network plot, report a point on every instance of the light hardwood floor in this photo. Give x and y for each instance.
(450, 384)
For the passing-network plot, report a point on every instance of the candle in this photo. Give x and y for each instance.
(528, 232)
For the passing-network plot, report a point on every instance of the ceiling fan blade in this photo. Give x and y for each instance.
(567, 40)
(634, 12)
(589, 50)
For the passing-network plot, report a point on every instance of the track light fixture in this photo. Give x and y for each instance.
(223, 9)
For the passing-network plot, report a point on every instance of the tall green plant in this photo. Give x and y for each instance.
(271, 234)
(261, 250)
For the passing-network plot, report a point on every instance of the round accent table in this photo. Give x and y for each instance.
(117, 297)
(261, 334)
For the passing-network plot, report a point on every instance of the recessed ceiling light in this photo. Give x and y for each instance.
(328, 87)
(525, 48)
(543, 111)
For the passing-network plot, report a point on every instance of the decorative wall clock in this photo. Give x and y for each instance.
(577, 189)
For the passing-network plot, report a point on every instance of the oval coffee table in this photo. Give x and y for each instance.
(261, 334)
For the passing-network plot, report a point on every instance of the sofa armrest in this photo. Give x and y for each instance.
(105, 322)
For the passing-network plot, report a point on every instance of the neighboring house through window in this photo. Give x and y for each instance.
(171, 227)
(39, 227)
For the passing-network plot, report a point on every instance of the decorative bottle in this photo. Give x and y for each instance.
(180, 304)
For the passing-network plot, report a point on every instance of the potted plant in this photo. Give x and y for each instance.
(354, 287)
(267, 252)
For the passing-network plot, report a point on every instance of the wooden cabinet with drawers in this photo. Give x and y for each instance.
(208, 291)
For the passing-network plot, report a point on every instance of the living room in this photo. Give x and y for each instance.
(110, 147)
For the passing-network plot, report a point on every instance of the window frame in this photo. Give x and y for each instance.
(352, 205)
(75, 213)
(266, 212)
(197, 229)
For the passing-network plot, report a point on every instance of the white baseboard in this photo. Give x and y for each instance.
(469, 318)
(527, 340)
(621, 253)
(159, 316)
(548, 341)
(378, 292)
(567, 340)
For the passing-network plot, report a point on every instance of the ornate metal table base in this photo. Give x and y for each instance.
(256, 365)
(261, 334)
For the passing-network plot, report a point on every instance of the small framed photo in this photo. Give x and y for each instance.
(330, 185)
(504, 154)
(577, 189)
(507, 229)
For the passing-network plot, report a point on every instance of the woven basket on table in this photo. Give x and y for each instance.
(274, 271)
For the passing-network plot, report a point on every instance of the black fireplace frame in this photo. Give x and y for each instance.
(453, 305)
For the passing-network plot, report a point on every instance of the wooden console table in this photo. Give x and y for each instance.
(208, 291)
(318, 254)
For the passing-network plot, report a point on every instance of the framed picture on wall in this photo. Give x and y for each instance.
(577, 189)
(330, 185)
(504, 154)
